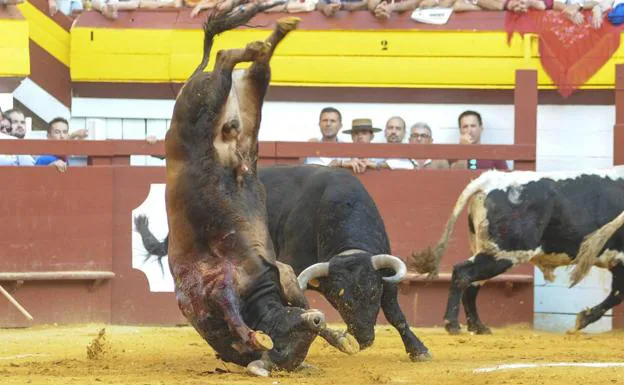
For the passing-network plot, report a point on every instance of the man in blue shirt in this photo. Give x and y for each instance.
(58, 129)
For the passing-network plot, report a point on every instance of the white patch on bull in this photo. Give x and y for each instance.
(548, 262)
(227, 147)
(514, 194)
(501, 180)
(609, 259)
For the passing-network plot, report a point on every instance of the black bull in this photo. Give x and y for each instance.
(323, 223)
(550, 219)
(228, 284)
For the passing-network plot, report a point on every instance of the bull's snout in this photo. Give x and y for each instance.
(314, 319)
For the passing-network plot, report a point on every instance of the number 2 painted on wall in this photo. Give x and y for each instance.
(384, 45)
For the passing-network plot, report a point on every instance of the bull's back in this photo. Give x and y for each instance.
(554, 214)
(315, 212)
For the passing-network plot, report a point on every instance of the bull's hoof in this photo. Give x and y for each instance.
(348, 344)
(479, 329)
(260, 372)
(452, 328)
(260, 341)
(259, 368)
(287, 24)
(258, 48)
(421, 356)
(581, 322)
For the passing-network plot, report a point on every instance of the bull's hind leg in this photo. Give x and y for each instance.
(259, 70)
(469, 300)
(224, 65)
(390, 305)
(258, 76)
(614, 298)
(481, 267)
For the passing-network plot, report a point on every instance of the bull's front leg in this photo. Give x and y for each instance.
(221, 291)
(481, 267)
(261, 367)
(390, 305)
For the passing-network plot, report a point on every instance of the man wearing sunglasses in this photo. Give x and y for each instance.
(420, 133)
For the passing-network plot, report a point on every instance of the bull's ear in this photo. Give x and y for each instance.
(290, 287)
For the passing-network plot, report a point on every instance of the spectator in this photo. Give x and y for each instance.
(5, 125)
(470, 129)
(58, 129)
(420, 133)
(110, 8)
(573, 10)
(383, 9)
(18, 123)
(291, 6)
(67, 7)
(395, 133)
(330, 123)
(331, 7)
(362, 131)
(15, 160)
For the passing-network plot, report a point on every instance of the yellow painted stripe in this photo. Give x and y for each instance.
(14, 53)
(46, 33)
(441, 59)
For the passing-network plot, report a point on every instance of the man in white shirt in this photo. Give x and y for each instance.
(15, 160)
(395, 133)
(330, 123)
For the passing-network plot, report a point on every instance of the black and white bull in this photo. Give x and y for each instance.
(323, 223)
(550, 219)
(247, 306)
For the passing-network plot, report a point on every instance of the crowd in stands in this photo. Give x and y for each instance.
(382, 9)
(13, 126)
(470, 126)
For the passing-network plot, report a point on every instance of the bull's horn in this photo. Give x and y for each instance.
(387, 261)
(314, 319)
(315, 271)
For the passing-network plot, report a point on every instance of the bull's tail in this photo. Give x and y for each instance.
(150, 242)
(428, 261)
(591, 247)
(226, 20)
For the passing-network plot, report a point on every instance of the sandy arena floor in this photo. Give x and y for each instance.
(177, 356)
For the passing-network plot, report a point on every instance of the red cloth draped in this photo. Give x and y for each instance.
(569, 53)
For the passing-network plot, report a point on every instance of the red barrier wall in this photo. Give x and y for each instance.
(82, 220)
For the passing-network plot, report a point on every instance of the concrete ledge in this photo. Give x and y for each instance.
(446, 277)
(56, 275)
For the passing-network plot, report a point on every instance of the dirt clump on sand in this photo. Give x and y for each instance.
(99, 347)
(133, 355)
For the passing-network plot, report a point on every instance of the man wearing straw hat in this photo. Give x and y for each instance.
(362, 131)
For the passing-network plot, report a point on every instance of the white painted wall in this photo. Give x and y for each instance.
(568, 137)
(6, 101)
(39, 101)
